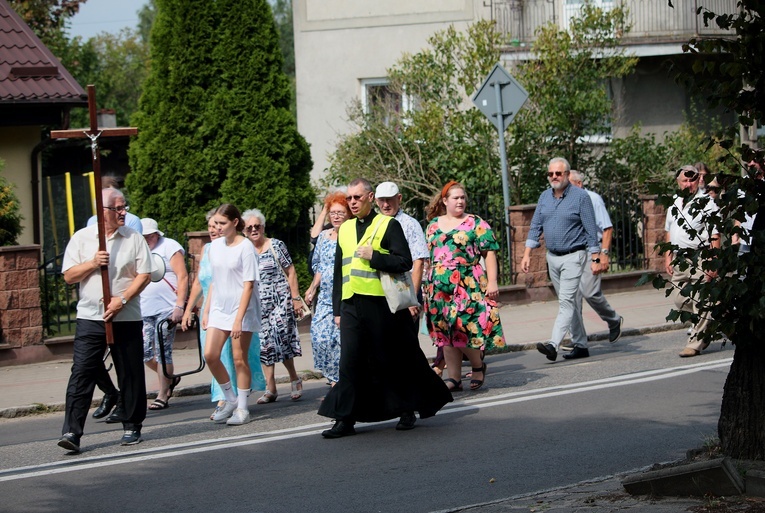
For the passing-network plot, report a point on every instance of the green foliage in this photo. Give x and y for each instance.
(437, 140)
(568, 97)
(117, 64)
(640, 164)
(729, 73)
(10, 218)
(48, 19)
(214, 121)
(443, 138)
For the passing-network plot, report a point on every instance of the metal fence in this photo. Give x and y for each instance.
(58, 299)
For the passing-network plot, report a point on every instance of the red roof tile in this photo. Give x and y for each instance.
(29, 72)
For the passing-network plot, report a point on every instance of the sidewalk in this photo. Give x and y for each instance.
(41, 387)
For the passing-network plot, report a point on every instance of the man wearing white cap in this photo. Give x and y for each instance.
(388, 200)
(161, 300)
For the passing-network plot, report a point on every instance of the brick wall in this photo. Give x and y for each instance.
(654, 216)
(20, 313)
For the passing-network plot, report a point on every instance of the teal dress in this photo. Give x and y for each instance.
(227, 356)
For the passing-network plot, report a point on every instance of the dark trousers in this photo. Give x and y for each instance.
(127, 353)
(104, 382)
(383, 372)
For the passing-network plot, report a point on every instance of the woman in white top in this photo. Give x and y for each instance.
(233, 309)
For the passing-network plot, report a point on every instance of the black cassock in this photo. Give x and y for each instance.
(383, 371)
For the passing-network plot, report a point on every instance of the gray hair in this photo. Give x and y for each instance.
(210, 213)
(575, 176)
(555, 160)
(109, 195)
(254, 212)
(688, 168)
(363, 182)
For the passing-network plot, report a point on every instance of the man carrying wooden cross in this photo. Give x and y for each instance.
(128, 260)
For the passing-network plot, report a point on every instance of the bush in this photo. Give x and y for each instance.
(10, 218)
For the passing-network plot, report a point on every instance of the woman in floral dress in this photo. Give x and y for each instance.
(462, 313)
(325, 335)
(279, 299)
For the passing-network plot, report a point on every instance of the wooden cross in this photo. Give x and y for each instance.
(94, 134)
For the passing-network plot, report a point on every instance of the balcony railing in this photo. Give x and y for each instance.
(651, 20)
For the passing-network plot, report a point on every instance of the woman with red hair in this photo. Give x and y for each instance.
(325, 335)
(461, 306)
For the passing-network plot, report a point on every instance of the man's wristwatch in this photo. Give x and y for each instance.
(604, 251)
(124, 301)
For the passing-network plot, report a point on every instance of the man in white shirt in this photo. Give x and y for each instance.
(129, 263)
(388, 199)
(589, 286)
(686, 228)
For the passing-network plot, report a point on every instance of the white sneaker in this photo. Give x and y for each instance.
(240, 416)
(225, 412)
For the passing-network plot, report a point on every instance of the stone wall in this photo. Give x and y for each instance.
(20, 314)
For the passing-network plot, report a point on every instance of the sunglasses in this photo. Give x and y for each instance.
(253, 228)
(550, 174)
(354, 197)
(693, 175)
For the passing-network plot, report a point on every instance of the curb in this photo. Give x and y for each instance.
(193, 390)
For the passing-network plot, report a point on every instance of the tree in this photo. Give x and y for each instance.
(568, 82)
(442, 137)
(214, 121)
(48, 19)
(729, 72)
(117, 64)
(10, 218)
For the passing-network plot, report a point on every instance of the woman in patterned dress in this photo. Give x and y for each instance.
(325, 335)
(279, 299)
(199, 289)
(461, 295)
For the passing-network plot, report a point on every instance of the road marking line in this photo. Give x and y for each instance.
(188, 448)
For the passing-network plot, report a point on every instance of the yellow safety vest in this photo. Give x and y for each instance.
(358, 276)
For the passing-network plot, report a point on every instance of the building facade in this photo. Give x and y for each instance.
(342, 51)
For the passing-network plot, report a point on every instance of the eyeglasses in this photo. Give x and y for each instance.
(693, 175)
(550, 174)
(121, 208)
(354, 197)
(253, 228)
(337, 214)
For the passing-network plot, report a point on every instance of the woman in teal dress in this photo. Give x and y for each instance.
(201, 287)
(461, 294)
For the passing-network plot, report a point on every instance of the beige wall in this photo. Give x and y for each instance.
(16, 145)
(339, 43)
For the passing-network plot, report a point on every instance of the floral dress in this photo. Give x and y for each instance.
(258, 382)
(458, 312)
(278, 330)
(325, 335)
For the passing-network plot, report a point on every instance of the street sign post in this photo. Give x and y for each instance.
(499, 98)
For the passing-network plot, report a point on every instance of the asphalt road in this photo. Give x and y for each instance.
(537, 425)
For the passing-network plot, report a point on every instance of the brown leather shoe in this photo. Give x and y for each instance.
(687, 352)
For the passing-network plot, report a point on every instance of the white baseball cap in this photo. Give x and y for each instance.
(150, 226)
(386, 190)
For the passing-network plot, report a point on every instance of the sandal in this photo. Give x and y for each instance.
(475, 384)
(159, 404)
(457, 385)
(173, 383)
(297, 393)
(267, 397)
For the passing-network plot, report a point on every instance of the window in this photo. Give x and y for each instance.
(377, 96)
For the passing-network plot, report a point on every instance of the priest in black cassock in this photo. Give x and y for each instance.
(383, 372)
